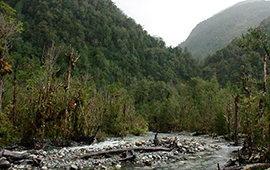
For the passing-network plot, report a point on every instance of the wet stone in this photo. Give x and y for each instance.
(44, 168)
(74, 167)
(104, 167)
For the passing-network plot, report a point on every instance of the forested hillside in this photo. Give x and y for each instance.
(80, 69)
(216, 32)
(109, 43)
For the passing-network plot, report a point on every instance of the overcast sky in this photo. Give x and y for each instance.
(172, 20)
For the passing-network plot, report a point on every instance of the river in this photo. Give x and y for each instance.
(207, 159)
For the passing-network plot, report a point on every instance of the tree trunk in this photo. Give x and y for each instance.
(265, 72)
(14, 116)
(261, 102)
(116, 151)
(1, 91)
(70, 58)
(236, 101)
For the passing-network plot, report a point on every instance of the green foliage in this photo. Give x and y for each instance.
(10, 28)
(120, 117)
(6, 9)
(186, 107)
(256, 45)
(243, 63)
(7, 130)
(207, 104)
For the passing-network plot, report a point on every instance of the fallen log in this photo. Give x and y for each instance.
(248, 167)
(17, 158)
(25, 161)
(257, 166)
(16, 155)
(117, 151)
(237, 167)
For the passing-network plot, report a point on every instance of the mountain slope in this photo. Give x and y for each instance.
(113, 47)
(217, 31)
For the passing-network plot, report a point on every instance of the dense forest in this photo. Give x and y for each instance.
(121, 70)
(78, 69)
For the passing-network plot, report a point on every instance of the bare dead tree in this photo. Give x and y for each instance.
(49, 58)
(71, 66)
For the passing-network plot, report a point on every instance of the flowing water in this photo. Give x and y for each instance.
(207, 159)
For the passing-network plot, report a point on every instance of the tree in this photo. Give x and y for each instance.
(9, 28)
(236, 119)
(256, 43)
(255, 40)
(49, 59)
(71, 66)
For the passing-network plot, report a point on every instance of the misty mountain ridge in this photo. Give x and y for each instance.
(216, 32)
(225, 63)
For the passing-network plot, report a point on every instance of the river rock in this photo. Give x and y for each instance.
(148, 162)
(183, 150)
(179, 145)
(44, 168)
(74, 167)
(4, 164)
(202, 148)
(118, 166)
(144, 158)
(103, 167)
(217, 147)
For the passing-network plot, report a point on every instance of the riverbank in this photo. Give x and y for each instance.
(172, 150)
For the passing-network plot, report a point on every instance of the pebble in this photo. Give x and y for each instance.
(118, 166)
(144, 158)
(217, 147)
(179, 145)
(29, 167)
(103, 167)
(202, 148)
(74, 167)
(44, 167)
